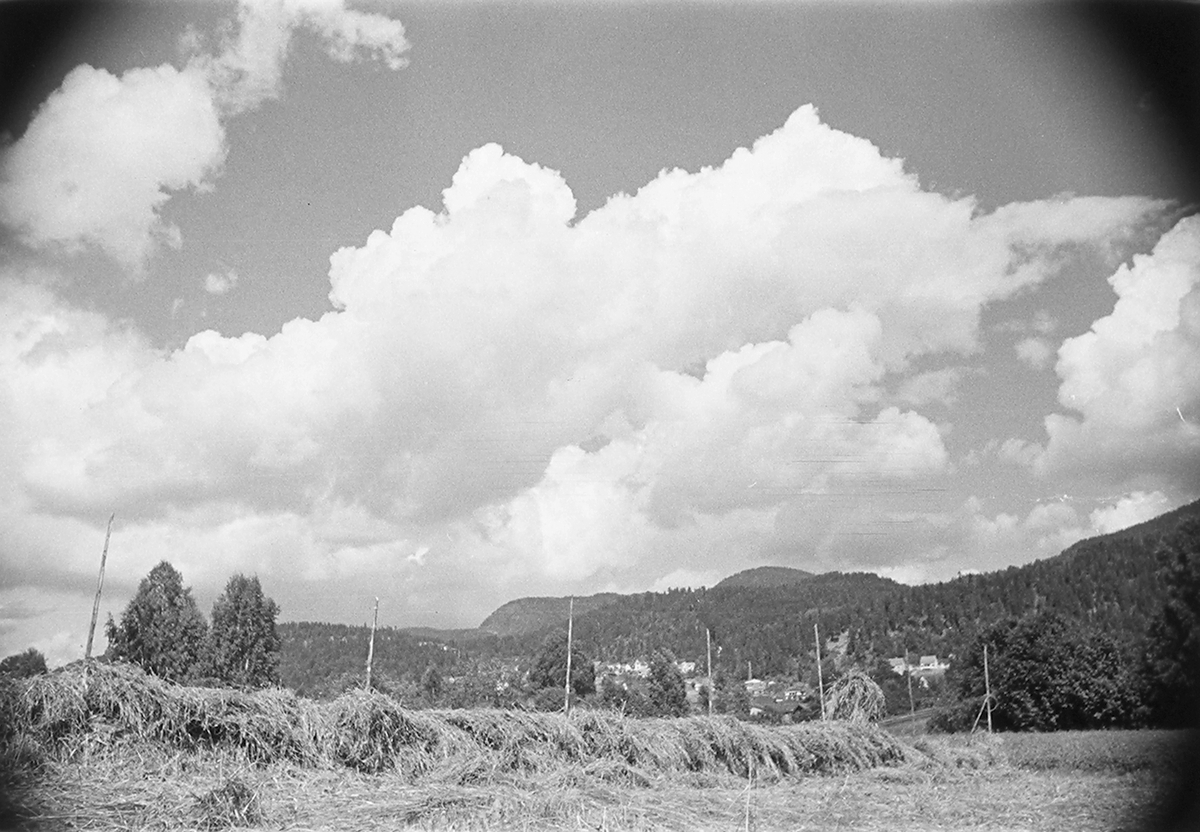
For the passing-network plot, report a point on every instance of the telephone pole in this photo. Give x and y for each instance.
(371, 646)
(912, 708)
(87, 652)
(987, 683)
(570, 635)
(820, 677)
(708, 642)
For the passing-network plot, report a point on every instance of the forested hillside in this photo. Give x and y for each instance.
(1111, 583)
(766, 576)
(315, 657)
(532, 615)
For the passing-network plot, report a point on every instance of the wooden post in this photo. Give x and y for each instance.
(987, 684)
(570, 635)
(708, 642)
(820, 676)
(371, 646)
(912, 708)
(87, 651)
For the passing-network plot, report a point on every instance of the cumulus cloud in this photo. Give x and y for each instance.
(103, 154)
(1133, 381)
(510, 393)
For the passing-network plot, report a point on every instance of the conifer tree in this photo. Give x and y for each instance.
(161, 629)
(244, 645)
(665, 688)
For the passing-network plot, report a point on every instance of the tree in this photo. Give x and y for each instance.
(665, 688)
(431, 683)
(729, 695)
(161, 630)
(1048, 675)
(550, 668)
(23, 665)
(1170, 669)
(243, 643)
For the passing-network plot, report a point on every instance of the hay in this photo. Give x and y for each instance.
(368, 731)
(233, 803)
(74, 711)
(855, 697)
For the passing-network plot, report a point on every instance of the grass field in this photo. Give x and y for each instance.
(119, 751)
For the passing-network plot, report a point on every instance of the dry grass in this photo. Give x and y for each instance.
(190, 790)
(118, 750)
(63, 715)
(855, 697)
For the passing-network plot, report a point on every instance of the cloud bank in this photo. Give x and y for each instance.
(507, 398)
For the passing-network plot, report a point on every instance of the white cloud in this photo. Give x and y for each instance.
(103, 154)
(1129, 510)
(248, 68)
(220, 283)
(1134, 379)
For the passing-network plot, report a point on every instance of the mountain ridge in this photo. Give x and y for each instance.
(766, 576)
(1108, 583)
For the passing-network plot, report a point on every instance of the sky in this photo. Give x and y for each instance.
(449, 304)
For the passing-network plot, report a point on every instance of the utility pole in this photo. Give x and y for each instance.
(87, 652)
(912, 708)
(708, 642)
(371, 646)
(570, 635)
(987, 683)
(820, 677)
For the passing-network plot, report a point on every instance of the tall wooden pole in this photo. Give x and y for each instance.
(987, 683)
(820, 676)
(912, 708)
(570, 635)
(708, 642)
(87, 652)
(371, 646)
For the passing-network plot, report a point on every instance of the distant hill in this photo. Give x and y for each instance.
(767, 576)
(529, 615)
(765, 617)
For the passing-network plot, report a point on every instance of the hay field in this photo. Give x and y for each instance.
(111, 748)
